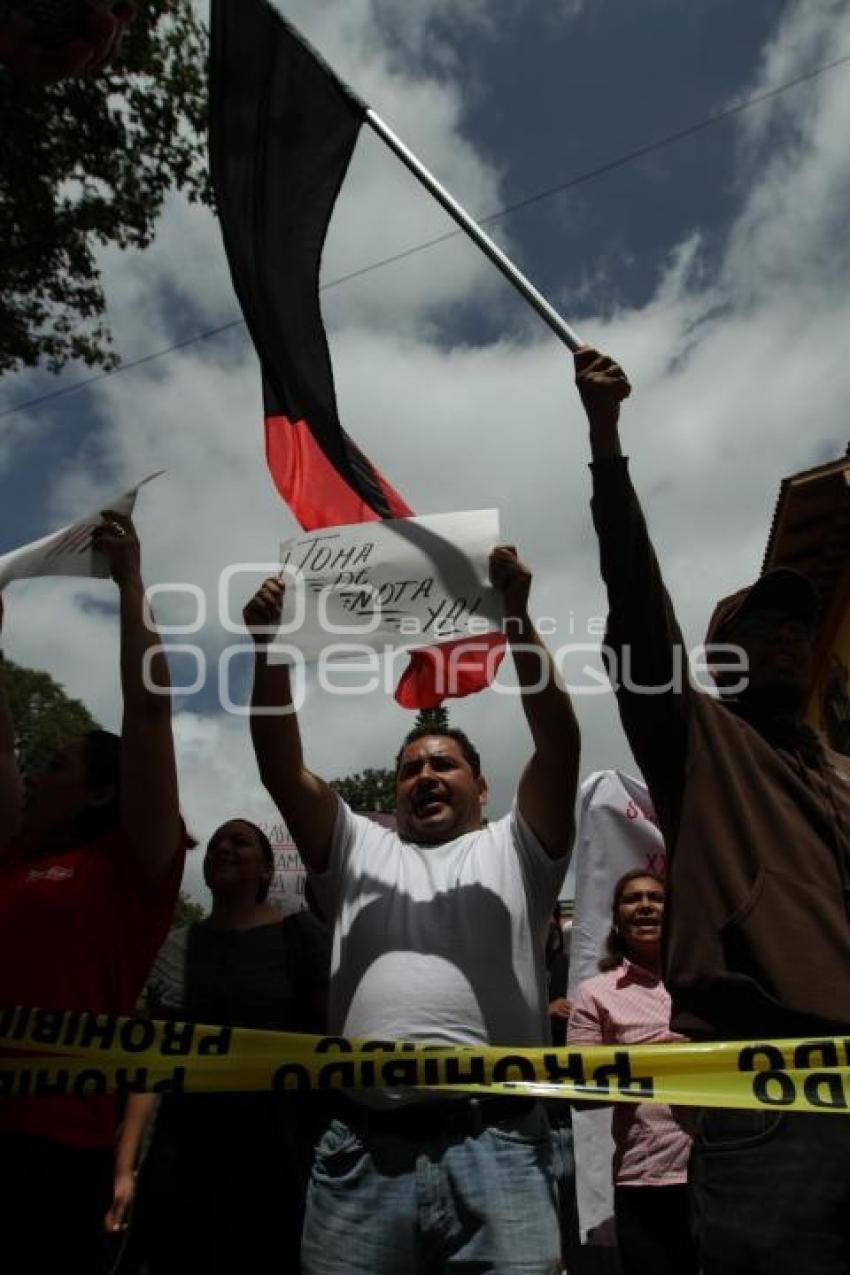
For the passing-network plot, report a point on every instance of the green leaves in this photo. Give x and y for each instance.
(89, 162)
(44, 717)
(368, 790)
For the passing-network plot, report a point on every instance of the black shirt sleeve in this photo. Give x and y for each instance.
(644, 652)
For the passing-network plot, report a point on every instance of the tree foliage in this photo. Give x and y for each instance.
(187, 911)
(432, 718)
(368, 790)
(44, 717)
(85, 163)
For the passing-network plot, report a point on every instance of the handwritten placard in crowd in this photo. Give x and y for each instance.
(398, 583)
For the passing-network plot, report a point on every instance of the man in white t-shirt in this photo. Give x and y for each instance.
(439, 935)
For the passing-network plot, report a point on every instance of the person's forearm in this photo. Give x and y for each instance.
(274, 722)
(145, 676)
(149, 798)
(605, 440)
(643, 652)
(11, 785)
(641, 616)
(140, 1109)
(547, 789)
(306, 802)
(547, 706)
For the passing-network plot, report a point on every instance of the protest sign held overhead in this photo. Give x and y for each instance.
(68, 551)
(398, 583)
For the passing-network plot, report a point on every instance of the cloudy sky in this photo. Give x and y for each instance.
(715, 268)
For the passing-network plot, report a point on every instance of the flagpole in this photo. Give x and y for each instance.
(491, 249)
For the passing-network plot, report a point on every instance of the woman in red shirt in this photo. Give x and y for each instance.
(90, 871)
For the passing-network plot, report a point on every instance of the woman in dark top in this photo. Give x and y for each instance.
(222, 1185)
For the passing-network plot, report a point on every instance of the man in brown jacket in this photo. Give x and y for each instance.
(755, 813)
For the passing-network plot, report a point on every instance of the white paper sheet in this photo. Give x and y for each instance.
(68, 552)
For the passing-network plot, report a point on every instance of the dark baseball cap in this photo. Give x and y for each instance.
(782, 589)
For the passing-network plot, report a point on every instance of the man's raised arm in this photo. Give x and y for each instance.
(11, 787)
(644, 651)
(547, 790)
(306, 802)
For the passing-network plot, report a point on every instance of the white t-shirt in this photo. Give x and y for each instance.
(439, 943)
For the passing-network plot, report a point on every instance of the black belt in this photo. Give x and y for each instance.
(423, 1121)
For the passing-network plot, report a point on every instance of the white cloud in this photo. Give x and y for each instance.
(384, 211)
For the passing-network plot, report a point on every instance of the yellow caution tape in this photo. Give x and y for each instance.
(70, 1052)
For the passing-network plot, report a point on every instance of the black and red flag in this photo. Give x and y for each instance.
(282, 132)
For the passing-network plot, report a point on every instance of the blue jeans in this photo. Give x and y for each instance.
(564, 1164)
(482, 1203)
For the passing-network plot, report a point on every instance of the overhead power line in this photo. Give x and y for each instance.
(588, 175)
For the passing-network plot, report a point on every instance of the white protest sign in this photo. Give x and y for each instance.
(395, 583)
(68, 552)
(617, 832)
(289, 883)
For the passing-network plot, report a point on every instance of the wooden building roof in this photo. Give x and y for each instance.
(811, 527)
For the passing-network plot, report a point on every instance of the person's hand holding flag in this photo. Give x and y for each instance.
(603, 386)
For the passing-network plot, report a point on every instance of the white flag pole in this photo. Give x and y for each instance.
(491, 249)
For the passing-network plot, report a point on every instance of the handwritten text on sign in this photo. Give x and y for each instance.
(404, 582)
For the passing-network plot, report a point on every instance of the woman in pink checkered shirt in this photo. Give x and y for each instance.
(627, 1003)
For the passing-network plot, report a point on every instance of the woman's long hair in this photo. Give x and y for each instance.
(614, 950)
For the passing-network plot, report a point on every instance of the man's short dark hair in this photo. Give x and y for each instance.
(464, 743)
